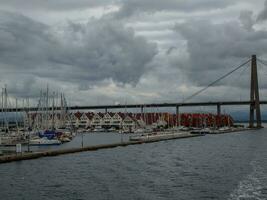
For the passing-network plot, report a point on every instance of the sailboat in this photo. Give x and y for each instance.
(9, 135)
(47, 136)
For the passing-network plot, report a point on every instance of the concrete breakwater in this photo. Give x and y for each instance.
(35, 155)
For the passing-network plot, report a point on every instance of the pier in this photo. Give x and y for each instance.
(35, 155)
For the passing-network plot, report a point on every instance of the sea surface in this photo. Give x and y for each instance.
(228, 166)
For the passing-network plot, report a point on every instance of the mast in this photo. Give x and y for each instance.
(61, 110)
(16, 115)
(3, 123)
(5, 108)
(41, 114)
(53, 104)
(29, 125)
(27, 112)
(47, 115)
(24, 118)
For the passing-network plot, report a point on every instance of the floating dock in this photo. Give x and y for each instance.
(34, 155)
(162, 136)
(215, 132)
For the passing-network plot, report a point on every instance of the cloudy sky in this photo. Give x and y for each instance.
(131, 51)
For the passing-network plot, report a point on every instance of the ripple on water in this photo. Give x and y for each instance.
(199, 168)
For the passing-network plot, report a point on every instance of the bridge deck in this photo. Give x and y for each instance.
(153, 105)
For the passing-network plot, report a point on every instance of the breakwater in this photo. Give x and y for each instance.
(35, 155)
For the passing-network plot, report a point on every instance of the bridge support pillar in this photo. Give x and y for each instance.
(219, 114)
(106, 110)
(218, 109)
(254, 95)
(142, 112)
(178, 123)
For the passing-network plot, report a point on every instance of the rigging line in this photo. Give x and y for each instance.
(214, 82)
(242, 72)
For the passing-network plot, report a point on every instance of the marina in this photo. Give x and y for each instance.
(118, 141)
(48, 126)
(148, 139)
(50, 132)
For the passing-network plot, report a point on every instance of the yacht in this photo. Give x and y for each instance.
(44, 141)
(139, 130)
(99, 129)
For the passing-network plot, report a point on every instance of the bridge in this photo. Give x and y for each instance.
(254, 102)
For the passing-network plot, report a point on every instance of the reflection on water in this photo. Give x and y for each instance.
(228, 166)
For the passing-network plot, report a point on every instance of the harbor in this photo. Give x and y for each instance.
(53, 125)
(45, 153)
(53, 130)
(104, 140)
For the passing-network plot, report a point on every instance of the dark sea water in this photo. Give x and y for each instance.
(227, 166)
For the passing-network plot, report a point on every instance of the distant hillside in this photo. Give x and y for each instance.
(243, 116)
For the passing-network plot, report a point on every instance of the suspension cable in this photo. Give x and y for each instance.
(216, 81)
(262, 62)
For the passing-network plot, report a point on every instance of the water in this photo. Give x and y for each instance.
(227, 166)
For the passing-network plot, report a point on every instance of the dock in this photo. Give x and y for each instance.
(35, 155)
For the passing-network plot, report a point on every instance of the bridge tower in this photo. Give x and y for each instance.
(254, 95)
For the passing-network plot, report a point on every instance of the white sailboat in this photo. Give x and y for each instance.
(44, 142)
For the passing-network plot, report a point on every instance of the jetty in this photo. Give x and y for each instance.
(35, 155)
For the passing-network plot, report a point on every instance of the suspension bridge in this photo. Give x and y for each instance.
(254, 102)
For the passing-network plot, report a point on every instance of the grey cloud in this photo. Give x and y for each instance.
(95, 51)
(58, 5)
(23, 42)
(87, 58)
(130, 7)
(263, 14)
(215, 48)
(246, 19)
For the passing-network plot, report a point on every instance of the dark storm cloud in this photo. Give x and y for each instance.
(130, 7)
(215, 49)
(79, 53)
(263, 14)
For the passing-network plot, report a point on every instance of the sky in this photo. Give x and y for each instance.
(131, 51)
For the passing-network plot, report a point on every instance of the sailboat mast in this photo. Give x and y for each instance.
(16, 115)
(47, 126)
(3, 108)
(53, 104)
(61, 110)
(41, 115)
(28, 114)
(24, 117)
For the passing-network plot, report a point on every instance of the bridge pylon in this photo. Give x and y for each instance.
(254, 95)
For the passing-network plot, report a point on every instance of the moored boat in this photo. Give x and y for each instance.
(44, 141)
